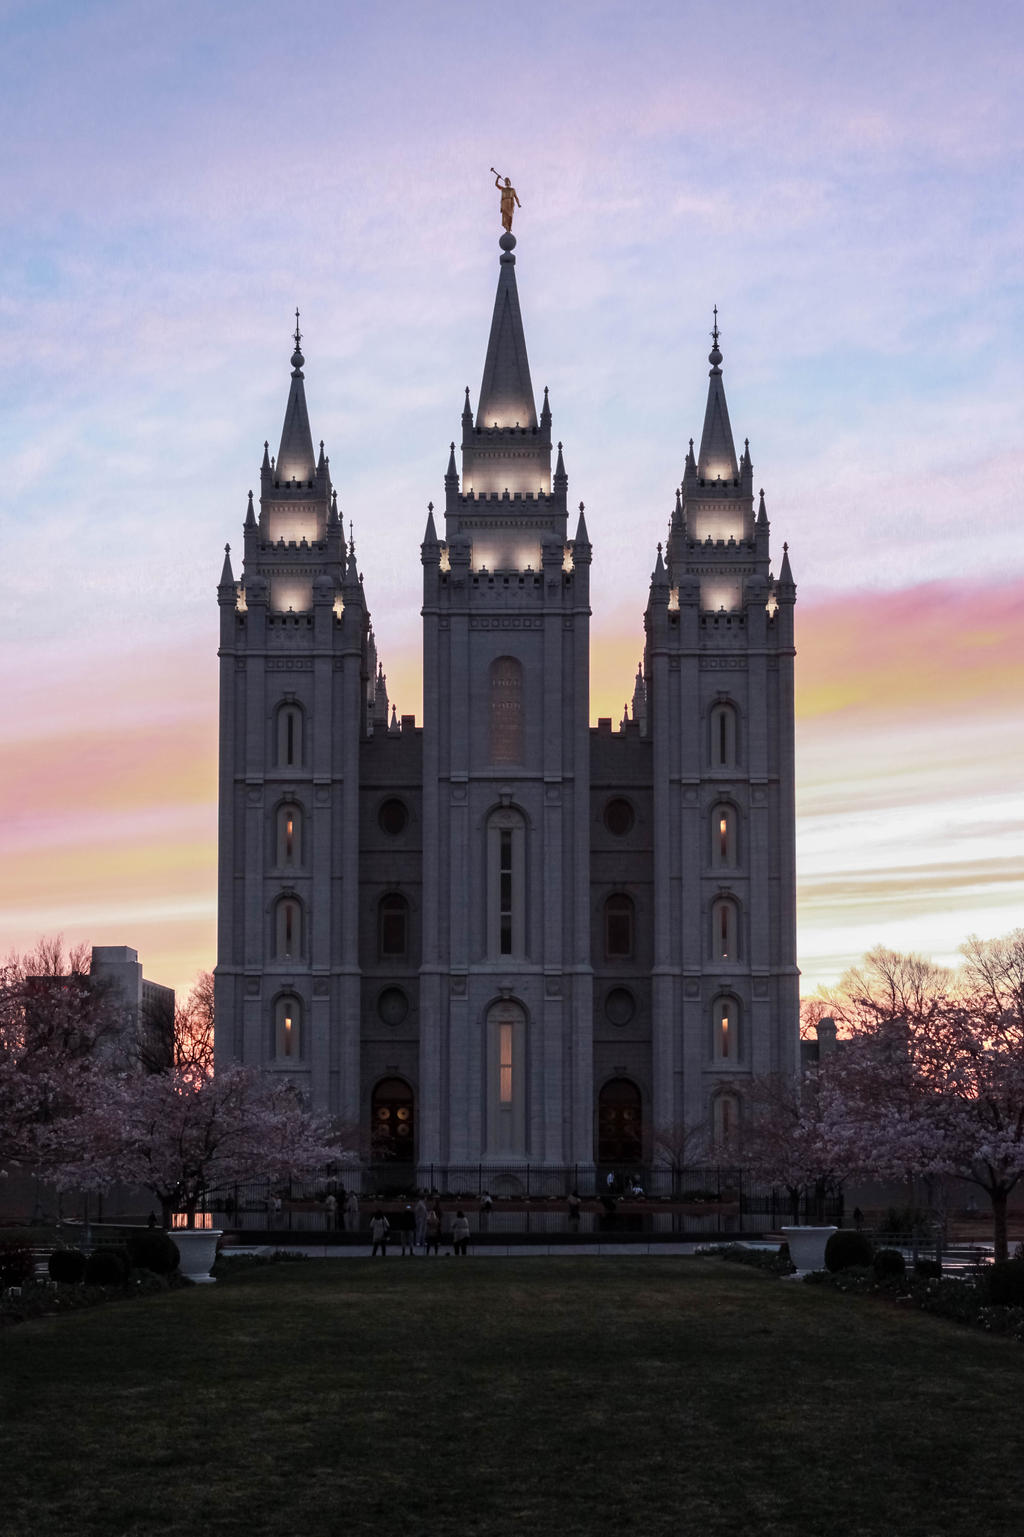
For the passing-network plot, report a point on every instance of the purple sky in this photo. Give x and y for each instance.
(844, 184)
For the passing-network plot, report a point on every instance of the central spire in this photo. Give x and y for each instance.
(717, 458)
(295, 459)
(506, 392)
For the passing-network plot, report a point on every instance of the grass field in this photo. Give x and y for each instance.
(533, 1396)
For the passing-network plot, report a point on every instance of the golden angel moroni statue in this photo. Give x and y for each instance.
(509, 200)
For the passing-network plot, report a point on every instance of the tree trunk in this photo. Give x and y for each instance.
(1002, 1249)
(165, 1213)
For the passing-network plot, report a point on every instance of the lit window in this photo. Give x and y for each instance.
(506, 677)
(506, 1076)
(723, 837)
(289, 835)
(724, 1018)
(723, 736)
(288, 1029)
(505, 1064)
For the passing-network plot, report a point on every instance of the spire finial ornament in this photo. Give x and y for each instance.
(715, 355)
(297, 358)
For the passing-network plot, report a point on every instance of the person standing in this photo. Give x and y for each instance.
(460, 1233)
(330, 1211)
(433, 1228)
(379, 1234)
(351, 1212)
(419, 1213)
(574, 1211)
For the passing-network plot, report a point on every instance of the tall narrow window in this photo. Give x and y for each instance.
(288, 929)
(723, 837)
(724, 1022)
(289, 736)
(505, 894)
(506, 710)
(725, 1121)
(506, 882)
(505, 1063)
(618, 926)
(393, 926)
(288, 1029)
(505, 1029)
(724, 929)
(723, 736)
(289, 835)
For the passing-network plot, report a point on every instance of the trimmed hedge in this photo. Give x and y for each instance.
(847, 1249)
(153, 1250)
(107, 1266)
(1004, 1283)
(67, 1266)
(16, 1264)
(888, 1262)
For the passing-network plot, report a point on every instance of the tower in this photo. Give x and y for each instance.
(296, 683)
(719, 699)
(505, 989)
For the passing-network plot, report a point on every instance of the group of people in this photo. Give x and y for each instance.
(342, 1209)
(417, 1227)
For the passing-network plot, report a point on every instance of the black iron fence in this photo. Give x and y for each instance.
(529, 1198)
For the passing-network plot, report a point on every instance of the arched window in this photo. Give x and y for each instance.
(724, 930)
(619, 1123)
(288, 936)
(393, 1129)
(618, 927)
(506, 1078)
(288, 1029)
(725, 1038)
(393, 926)
(289, 836)
(506, 710)
(723, 736)
(289, 736)
(506, 882)
(725, 1123)
(723, 837)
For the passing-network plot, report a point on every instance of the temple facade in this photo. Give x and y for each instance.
(505, 937)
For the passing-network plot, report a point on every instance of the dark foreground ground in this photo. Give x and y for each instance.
(534, 1396)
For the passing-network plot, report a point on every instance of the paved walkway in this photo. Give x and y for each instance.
(485, 1251)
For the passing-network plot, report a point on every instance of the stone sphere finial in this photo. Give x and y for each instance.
(507, 241)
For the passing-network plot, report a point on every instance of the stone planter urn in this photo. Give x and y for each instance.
(807, 1246)
(198, 1250)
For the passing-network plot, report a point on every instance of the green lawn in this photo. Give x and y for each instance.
(529, 1396)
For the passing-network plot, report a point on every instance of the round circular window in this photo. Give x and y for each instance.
(618, 817)
(392, 1005)
(392, 816)
(619, 1005)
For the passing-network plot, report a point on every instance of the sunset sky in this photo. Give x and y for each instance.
(845, 183)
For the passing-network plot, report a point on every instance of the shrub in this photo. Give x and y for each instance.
(888, 1263)
(847, 1249)
(927, 1269)
(66, 1266)
(1003, 1283)
(16, 1264)
(153, 1250)
(107, 1267)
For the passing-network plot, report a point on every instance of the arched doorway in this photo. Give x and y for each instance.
(620, 1128)
(392, 1123)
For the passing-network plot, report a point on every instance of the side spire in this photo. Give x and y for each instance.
(717, 457)
(295, 458)
(506, 392)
